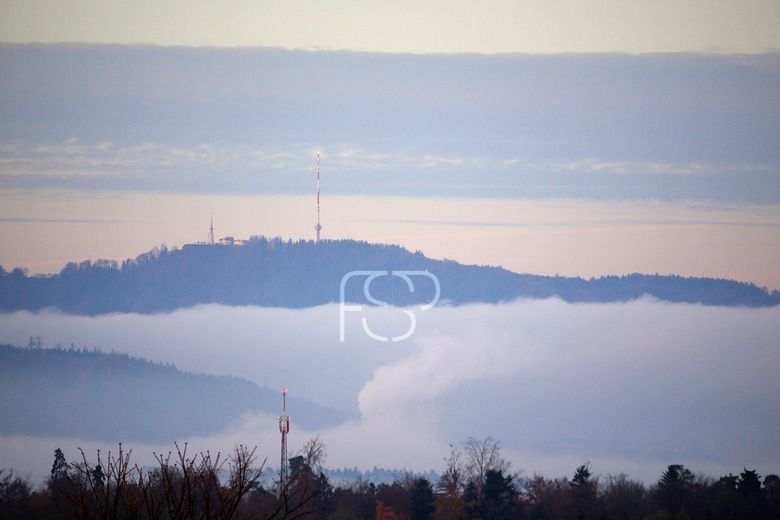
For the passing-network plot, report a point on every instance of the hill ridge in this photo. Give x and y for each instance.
(299, 274)
(109, 395)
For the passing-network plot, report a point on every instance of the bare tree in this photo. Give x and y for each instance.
(192, 487)
(482, 456)
(100, 490)
(181, 487)
(314, 453)
(304, 492)
(451, 481)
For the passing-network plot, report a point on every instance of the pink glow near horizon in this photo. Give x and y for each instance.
(567, 237)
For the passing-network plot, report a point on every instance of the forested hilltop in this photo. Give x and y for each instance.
(109, 396)
(274, 272)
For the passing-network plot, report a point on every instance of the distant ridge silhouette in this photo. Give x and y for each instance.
(299, 274)
(109, 396)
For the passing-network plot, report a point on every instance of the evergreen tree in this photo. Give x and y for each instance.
(98, 478)
(581, 475)
(749, 488)
(500, 496)
(749, 483)
(60, 467)
(498, 499)
(583, 493)
(421, 502)
(771, 493)
(673, 487)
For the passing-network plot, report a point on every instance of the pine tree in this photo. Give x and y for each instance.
(60, 467)
(421, 503)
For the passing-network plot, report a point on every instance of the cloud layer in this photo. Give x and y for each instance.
(249, 120)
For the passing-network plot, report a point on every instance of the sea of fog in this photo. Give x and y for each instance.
(631, 387)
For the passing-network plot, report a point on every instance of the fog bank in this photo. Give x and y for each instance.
(631, 387)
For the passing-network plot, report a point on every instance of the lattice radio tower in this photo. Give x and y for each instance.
(318, 227)
(284, 429)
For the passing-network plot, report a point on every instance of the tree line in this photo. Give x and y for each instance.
(298, 274)
(476, 483)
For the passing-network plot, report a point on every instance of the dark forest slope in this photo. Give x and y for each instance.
(303, 274)
(115, 397)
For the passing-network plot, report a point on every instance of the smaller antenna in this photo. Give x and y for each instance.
(211, 228)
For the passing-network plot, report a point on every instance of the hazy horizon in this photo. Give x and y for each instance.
(432, 27)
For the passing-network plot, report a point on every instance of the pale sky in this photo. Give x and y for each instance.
(488, 26)
(610, 163)
(571, 164)
(560, 236)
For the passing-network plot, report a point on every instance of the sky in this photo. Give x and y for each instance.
(576, 138)
(572, 164)
(490, 26)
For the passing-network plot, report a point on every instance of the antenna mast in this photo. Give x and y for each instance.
(211, 228)
(284, 429)
(318, 227)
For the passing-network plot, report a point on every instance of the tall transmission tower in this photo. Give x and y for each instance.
(211, 229)
(318, 227)
(284, 429)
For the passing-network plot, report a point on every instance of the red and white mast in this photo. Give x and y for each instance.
(284, 429)
(318, 227)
